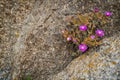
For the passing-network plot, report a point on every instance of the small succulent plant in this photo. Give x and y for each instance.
(84, 31)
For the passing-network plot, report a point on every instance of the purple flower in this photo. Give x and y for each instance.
(68, 38)
(96, 9)
(82, 47)
(82, 28)
(99, 33)
(107, 13)
(92, 36)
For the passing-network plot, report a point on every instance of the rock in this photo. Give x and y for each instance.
(39, 50)
(32, 43)
(98, 65)
(11, 13)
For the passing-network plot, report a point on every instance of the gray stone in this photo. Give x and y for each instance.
(32, 43)
(98, 65)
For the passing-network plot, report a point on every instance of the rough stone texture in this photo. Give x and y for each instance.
(102, 64)
(32, 44)
(11, 12)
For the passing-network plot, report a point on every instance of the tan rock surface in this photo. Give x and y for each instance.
(103, 64)
(32, 44)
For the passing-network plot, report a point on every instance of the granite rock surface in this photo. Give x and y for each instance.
(31, 43)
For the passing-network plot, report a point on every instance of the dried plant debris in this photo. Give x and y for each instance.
(84, 31)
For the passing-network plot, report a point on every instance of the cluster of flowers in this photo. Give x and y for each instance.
(97, 33)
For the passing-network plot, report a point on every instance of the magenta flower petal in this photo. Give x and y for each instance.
(92, 36)
(68, 38)
(82, 47)
(99, 33)
(107, 13)
(95, 9)
(82, 28)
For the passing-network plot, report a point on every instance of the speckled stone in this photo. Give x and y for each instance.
(98, 65)
(31, 43)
